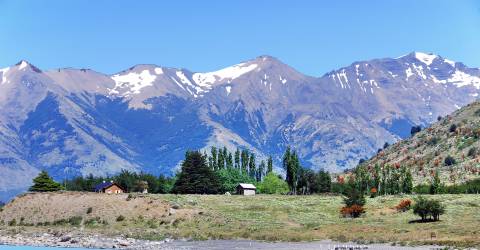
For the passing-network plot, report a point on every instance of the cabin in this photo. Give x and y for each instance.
(246, 189)
(109, 188)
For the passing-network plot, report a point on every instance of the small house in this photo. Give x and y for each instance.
(109, 188)
(246, 189)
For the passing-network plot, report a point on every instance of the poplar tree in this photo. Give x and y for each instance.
(237, 159)
(269, 164)
(251, 166)
(261, 171)
(214, 158)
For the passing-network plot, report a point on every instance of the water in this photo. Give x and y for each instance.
(5, 247)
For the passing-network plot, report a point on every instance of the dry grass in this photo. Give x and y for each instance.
(263, 217)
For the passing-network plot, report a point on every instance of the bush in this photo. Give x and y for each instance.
(353, 211)
(12, 222)
(75, 220)
(449, 160)
(432, 141)
(404, 205)
(428, 208)
(272, 184)
(89, 210)
(472, 152)
(452, 128)
(120, 218)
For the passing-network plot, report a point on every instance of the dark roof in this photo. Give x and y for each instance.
(104, 185)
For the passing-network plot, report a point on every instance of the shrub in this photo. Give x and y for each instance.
(272, 184)
(404, 205)
(75, 220)
(432, 141)
(120, 218)
(428, 208)
(452, 128)
(449, 160)
(472, 152)
(353, 211)
(373, 192)
(89, 210)
(12, 222)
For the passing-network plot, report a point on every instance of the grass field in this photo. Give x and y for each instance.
(273, 218)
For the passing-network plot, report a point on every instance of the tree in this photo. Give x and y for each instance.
(428, 208)
(261, 171)
(214, 158)
(407, 183)
(44, 183)
(385, 145)
(449, 160)
(251, 166)
(237, 159)
(269, 164)
(436, 184)
(291, 164)
(323, 182)
(196, 177)
(229, 160)
(230, 178)
(415, 129)
(273, 184)
(244, 160)
(354, 199)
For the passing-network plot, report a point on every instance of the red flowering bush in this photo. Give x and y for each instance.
(353, 211)
(404, 205)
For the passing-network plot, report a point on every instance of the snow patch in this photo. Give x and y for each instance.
(158, 71)
(23, 65)
(425, 58)
(409, 73)
(233, 72)
(4, 74)
(228, 89)
(449, 62)
(134, 81)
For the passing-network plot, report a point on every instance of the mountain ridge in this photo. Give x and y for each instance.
(144, 118)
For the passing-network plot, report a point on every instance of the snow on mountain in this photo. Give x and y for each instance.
(78, 121)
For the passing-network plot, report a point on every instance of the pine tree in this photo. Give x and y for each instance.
(269, 164)
(196, 177)
(237, 159)
(251, 166)
(44, 183)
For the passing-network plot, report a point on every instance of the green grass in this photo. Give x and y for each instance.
(300, 218)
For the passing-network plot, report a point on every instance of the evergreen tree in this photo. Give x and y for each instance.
(251, 166)
(269, 164)
(44, 183)
(323, 182)
(195, 176)
(237, 159)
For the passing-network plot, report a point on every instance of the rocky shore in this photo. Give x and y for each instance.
(79, 240)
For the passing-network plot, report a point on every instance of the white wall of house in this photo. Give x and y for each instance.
(248, 192)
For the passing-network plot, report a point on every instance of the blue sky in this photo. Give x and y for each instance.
(312, 36)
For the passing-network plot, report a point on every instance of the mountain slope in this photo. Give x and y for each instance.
(78, 121)
(450, 146)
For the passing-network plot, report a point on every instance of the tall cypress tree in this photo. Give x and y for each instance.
(436, 184)
(269, 164)
(44, 183)
(407, 184)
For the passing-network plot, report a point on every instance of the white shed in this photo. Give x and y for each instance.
(246, 189)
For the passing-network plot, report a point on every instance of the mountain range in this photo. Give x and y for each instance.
(79, 121)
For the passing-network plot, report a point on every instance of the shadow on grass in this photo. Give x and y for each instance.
(423, 221)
